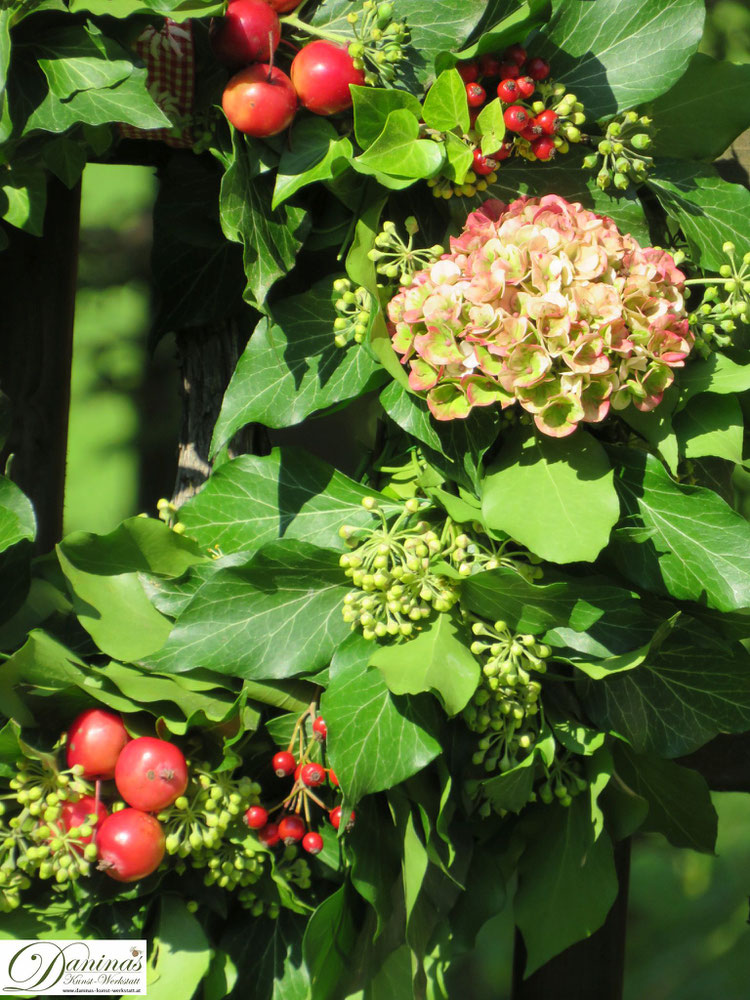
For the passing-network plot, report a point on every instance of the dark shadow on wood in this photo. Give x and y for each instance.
(37, 285)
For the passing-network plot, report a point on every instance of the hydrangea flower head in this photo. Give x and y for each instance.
(548, 305)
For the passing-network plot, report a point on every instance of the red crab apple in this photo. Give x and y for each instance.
(321, 73)
(248, 32)
(260, 100)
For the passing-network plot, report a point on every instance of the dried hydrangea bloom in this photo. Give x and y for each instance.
(544, 304)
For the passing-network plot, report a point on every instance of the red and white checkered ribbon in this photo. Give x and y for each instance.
(169, 55)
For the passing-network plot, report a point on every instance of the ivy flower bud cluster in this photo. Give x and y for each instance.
(545, 305)
(726, 302)
(379, 41)
(396, 259)
(505, 708)
(563, 780)
(353, 313)
(620, 155)
(205, 824)
(394, 570)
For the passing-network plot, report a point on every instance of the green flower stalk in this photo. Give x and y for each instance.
(726, 302)
(620, 155)
(396, 259)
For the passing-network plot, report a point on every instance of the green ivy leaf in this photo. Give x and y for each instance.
(268, 953)
(678, 798)
(276, 616)
(711, 425)
(314, 152)
(539, 489)
(374, 742)
(180, 952)
(446, 106)
(372, 106)
(535, 608)
(458, 159)
(398, 151)
(567, 882)
(502, 23)
(80, 58)
(270, 237)
(328, 945)
(290, 493)
(592, 47)
(291, 368)
(717, 373)
(490, 125)
(704, 112)
(710, 211)
(693, 688)
(25, 190)
(699, 548)
(66, 158)
(17, 520)
(511, 790)
(437, 660)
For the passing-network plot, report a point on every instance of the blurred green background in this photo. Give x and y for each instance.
(688, 934)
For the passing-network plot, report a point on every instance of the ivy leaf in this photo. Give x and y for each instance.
(268, 953)
(499, 28)
(704, 112)
(374, 740)
(511, 790)
(25, 191)
(398, 151)
(710, 211)
(182, 950)
(314, 152)
(490, 125)
(446, 106)
(699, 548)
(411, 414)
(66, 158)
(128, 102)
(711, 425)
(695, 687)
(437, 660)
(372, 106)
(591, 49)
(276, 616)
(17, 520)
(717, 373)
(270, 237)
(535, 608)
(679, 800)
(540, 487)
(567, 882)
(81, 58)
(328, 944)
(290, 493)
(291, 368)
(458, 158)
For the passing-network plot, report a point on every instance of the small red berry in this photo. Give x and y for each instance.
(312, 842)
(269, 834)
(468, 71)
(507, 91)
(332, 778)
(547, 121)
(320, 727)
(515, 53)
(483, 165)
(526, 86)
(544, 148)
(335, 817)
(475, 94)
(312, 775)
(531, 132)
(509, 70)
(504, 152)
(291, 829)
(283, 763)
(537, 68)
(489, 65)
(256, 817)
(516, 118)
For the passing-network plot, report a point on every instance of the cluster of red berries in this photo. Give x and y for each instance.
(309, 777)
(516, 78)
(261, 99)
